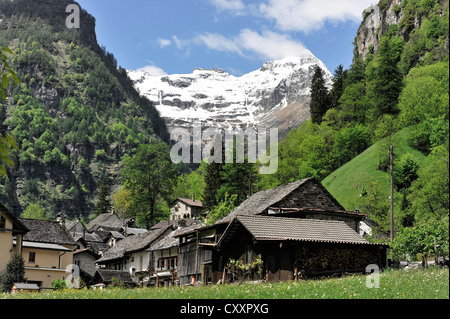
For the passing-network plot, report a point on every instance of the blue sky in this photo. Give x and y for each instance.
(175, 36)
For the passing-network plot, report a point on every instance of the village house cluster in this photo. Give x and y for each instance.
(291, 232)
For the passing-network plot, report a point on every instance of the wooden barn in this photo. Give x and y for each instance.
(293, 248)
(321, 238)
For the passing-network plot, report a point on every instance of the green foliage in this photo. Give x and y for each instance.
(239, 179)
(430, 133)
(150, 176)
(429, 194)
(429, 238)
(35, 211)
(338, 85)
(59, 284)
(7, 77)
(213, 182)
(103, 205)
(425, 94)
(191, 184)
(405, 171)
(15, 272)
(223, 208)
(384, 77)
(238, 270)
(353, 105)
(395, 284)
(320, 101)
(122, 203)
(350, 142)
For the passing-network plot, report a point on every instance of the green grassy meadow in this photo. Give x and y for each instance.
(393, 284)
(347, 182)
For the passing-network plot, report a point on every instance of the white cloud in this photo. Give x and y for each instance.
(164, 42)
(270, 45)
(153, 70)
(180, 43)
(267, 45)
(309, 15)
(218, 42)
(236, 6)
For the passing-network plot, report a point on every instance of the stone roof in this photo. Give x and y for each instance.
(44, 231)
(26, 286)
(131, 244)
(185, 222)
(108, 221)
(296, 229)
(190, 202)
(260, 201)
(165, 242)
(98, 248)
(87, 237)
(106, 276)
(134, 231)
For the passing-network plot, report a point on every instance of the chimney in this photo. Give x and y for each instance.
(193, 197)
(61, 219)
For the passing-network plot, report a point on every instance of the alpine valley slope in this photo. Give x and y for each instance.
(276, 95)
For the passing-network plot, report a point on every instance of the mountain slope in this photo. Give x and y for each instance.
(348, 182)
(276, 95)
(75, 113)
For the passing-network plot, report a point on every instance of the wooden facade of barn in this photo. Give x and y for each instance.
(197, 253)
(292, 249)
(277, 224)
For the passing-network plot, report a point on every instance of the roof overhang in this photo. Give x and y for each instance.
(236, 223)
(48, 246)
(342, 213)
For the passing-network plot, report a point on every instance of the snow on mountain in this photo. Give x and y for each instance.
(276, 95)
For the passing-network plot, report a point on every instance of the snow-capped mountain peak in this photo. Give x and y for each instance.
(275, 95)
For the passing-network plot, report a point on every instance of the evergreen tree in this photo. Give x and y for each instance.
(319, 96)
(338, 85)
(15, 272)
(386, 80)
(240, 179)
(213, 182)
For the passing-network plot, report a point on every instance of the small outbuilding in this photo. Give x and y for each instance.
(108, 277)
(24, 287)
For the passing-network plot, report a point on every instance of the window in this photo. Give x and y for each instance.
(32, 257)
(2, 222)
(248, 258)
(173, 263)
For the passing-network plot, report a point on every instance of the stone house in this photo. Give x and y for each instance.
(129, 255)
(47, 249)
(105, 277)
(85, 260)
(163, 262)
(184, 208)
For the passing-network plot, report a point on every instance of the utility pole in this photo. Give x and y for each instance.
(391, 164)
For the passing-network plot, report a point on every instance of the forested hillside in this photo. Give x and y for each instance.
(394, 93)
(74, 115)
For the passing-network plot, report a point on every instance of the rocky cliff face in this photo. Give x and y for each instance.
(376, 22)
(276, 95)
(407, 15)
